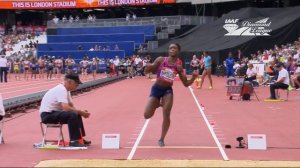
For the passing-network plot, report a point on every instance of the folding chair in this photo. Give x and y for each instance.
(45, 126)
(287, 94)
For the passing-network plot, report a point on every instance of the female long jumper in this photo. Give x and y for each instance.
(166, 69)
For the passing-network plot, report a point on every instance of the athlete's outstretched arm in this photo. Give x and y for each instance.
(183, 77)
(153, 67)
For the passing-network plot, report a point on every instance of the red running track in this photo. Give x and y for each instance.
(118, 108)
(17, 88)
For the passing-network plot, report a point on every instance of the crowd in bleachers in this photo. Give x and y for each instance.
(70, 19)
(287, 54)
(8, 42)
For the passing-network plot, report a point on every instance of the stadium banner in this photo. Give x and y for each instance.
(60, 4)
(2, 29)
(32, 29)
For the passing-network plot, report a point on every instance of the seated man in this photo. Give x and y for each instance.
(282, 82)
(57, 106)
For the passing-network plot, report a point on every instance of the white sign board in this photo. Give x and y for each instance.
(110, 141)
(257, 141)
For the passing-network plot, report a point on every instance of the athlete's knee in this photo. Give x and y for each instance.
(147, 115)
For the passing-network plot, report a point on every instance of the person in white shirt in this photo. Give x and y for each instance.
(55, 20)
(57, 107)
(64, 18)
(117, 64)
(282, 82)
(134, 16)
(251, 73)
(3, 69)
(71, 19)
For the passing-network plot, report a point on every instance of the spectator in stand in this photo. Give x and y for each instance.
(271, 74)
(134, 16)
(77, 18)
(100, 48)
(127, 17)
(117, 47)
(240, 56)
(55, 20)
(251, 73)
(79, 48)
(71, 19)
(92, 49)
(3, 69)
(64, 19)
(96, 48)
(90, 18)
(290, 65)
(94, 18)
(295, 78)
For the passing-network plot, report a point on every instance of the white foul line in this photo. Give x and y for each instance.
(138, 140)
(209, 127)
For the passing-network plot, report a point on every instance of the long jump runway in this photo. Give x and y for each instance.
(117, 108)
(196, 133)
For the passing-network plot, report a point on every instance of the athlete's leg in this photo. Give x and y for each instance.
(167, 107)
(151, 106)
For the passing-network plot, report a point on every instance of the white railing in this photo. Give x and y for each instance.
(159, 21)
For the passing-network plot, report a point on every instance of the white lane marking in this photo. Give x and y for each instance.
(130, 156)
(209, 126)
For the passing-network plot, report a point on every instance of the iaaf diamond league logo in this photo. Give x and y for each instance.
(247, 28)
